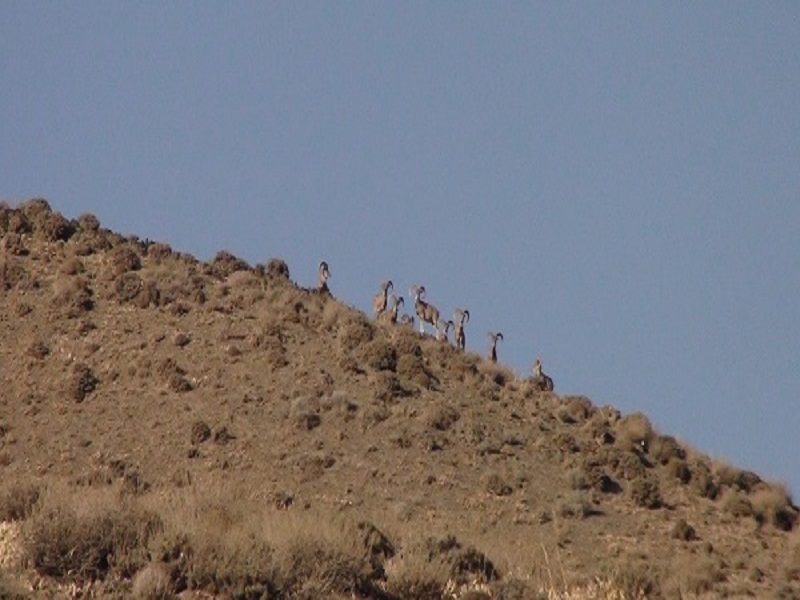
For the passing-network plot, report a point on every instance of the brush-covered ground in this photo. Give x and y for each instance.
(175, 428)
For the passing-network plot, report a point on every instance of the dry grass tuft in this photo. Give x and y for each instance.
(634, 432)
(773, 506)
(645, 492)
(85, 539)
(18, 500)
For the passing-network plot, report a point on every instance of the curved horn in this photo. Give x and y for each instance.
(466, 315)
(400, 301)
(500, 335)
(389, 285)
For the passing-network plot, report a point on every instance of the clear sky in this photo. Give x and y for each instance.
(613, 185)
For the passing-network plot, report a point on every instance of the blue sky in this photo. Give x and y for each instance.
(614, 186)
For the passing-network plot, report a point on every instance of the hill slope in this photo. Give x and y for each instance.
(231, 408)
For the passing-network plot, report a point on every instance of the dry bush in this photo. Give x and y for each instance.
(576, 505)
(12, 273)
(72, 266)
(18, 500)
(305, 413)
(677, 468)
(41, 219)
(634, 432)
(73, 296)
(16, 222)
(411, 366)
(703, 482)
(159, 252)
(87, 538)
(154, 582)
(628, 580)
(123, 259)
(13, 244)
(38, 350)
(378, 354)
(12, 590)
(200, 432)
(737, 504)
(665, 448)
(791, 561)
(340, 404)
(497, 374)
(243, 280)
(271, 341)
(498, 486)
(225, 263)
(82, 382)
(513, 588)
(174, 376)
(54, 227)
(773, 506)
(218, 545)
(416, 575)
(575, 409)
(645, 492)
(693, 575)
(623, 464)
(683, 531)
(592, 475)
(354, 333)
(441, 418)
(88, 222)
(309, 567)
(732, 477)
(277, 269)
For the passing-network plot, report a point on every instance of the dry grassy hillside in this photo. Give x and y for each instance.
(175, 428)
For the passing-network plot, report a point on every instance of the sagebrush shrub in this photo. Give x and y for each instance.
(18, 501)
(64, 544)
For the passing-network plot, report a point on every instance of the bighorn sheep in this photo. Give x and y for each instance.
(493, 337)
(462, 316)
(390, 316)
(540, 379)
(442, 329)
(380, 300)
(426, 312)
(322, 278)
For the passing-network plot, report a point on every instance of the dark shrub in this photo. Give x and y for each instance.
(644, 492)
(18, 502)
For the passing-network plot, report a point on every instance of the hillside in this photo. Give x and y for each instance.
(175, 427)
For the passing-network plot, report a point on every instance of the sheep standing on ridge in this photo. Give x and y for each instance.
(493, 337)
(380, 300)
(390, 316)
(540, 379)
(426, 312)
(461, 317)
(442, 329)
(322, 278)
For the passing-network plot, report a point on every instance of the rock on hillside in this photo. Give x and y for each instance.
(184, 397)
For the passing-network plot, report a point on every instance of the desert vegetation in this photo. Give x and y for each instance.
(177, 428)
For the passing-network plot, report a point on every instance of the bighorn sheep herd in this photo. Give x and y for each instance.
(386, 307)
